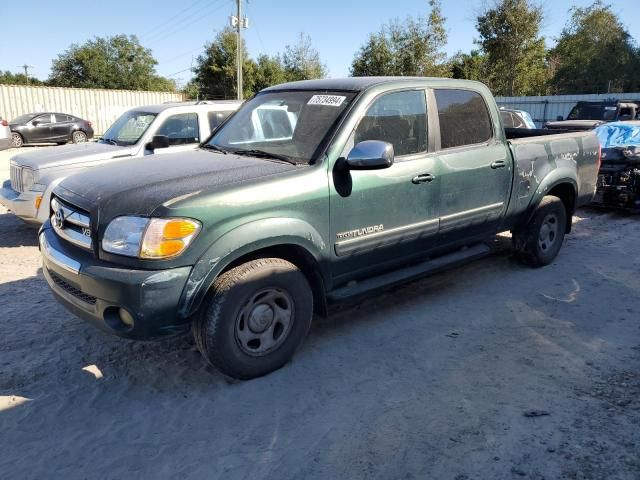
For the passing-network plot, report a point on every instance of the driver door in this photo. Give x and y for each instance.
(381, 218)
(42, 131)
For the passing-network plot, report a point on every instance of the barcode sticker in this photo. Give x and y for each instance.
(330, 100)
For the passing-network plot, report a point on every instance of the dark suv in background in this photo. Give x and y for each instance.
(48, 127)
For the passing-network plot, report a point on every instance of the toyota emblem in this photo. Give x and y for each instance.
(59, 218)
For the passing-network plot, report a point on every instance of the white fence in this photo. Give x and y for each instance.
(544, 109)
(101, 107)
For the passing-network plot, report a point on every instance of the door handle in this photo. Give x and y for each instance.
(498, 164)
(424, 178)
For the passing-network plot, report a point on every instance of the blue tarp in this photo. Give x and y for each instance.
(619, 134)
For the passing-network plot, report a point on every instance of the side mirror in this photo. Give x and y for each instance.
(370, 155)
(35, 123)
(158, 141)
(559, 118)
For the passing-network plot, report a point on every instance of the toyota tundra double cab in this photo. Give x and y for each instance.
(313, 193)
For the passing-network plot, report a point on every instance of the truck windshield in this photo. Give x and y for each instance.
(285, 125)
(128, 129)
(593, 112)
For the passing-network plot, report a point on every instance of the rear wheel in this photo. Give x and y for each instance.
(540, 241)
(16, 140)
(256, 316)
(79, 137)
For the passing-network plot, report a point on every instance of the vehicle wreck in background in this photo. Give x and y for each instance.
(589, 115)
(619, 176)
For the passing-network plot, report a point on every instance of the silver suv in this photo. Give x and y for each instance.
(141, 131)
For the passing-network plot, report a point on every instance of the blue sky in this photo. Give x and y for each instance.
(175, 31)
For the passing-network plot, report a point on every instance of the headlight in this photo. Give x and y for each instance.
(28, 178)
(154, 238)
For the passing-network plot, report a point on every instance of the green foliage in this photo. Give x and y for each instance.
(413, 47)
(595, 54)
(117, 62)
(513, 48)
(8, 78)
(215, 73)
(302, 62)
(469, 66)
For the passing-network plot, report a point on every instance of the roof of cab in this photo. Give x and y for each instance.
(160, 107)
(357, 84)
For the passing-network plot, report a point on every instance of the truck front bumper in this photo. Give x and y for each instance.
(136, 304)
(22, 205)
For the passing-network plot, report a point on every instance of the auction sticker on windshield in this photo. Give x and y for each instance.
(330, 100)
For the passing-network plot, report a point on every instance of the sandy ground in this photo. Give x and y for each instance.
(490, 371)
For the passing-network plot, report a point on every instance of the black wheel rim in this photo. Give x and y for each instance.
(263, 323)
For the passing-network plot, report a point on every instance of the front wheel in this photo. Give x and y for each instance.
(16, 140)
(540, 241)
(257, 315)
(79, 137)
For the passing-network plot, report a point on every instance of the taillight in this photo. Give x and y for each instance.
(4, 123)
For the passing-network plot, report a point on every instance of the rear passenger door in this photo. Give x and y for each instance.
(475, 166)
(182, 131)
(61, 127)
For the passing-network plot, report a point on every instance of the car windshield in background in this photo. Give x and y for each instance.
(593, 112)
(22, 119)
(128, 129)
(284, 125)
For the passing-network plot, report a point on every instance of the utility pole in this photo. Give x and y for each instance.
(26, 71)
(239, 23)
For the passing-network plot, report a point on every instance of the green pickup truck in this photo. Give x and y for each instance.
(312, 193)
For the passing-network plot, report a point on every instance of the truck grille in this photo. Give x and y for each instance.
(67, 287)
(16, 177)
(71, 223)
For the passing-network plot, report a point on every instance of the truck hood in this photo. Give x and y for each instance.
(138, 187)
(67, 155)
(574, 124)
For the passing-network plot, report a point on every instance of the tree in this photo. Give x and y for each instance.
(215, 72)
(413, 47)
(8, 78)
(595, 54)
(469, 66)
(117, 62)
(269, 71)
(302, 62)
(515, 52)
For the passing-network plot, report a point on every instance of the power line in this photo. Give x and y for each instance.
(172, 19)
(190, 20)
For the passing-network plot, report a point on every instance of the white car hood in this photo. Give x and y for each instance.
(68, 155)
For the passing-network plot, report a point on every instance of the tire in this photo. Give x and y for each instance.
(238, 329)
(16, 140)
(78, 137)
(540, 241)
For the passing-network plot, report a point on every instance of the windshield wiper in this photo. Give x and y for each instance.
(109, 140)
(265, 154)
(210, 146)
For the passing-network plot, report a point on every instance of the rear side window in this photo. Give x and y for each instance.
(63, 118)
(464, 118)
(216, 118)
(180, 129)
(399, 118)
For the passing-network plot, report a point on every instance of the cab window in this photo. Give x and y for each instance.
(180, 129)
(216, 118)
(399, 118)
(464, 118)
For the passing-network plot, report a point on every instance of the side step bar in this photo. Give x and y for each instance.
(434, 265)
